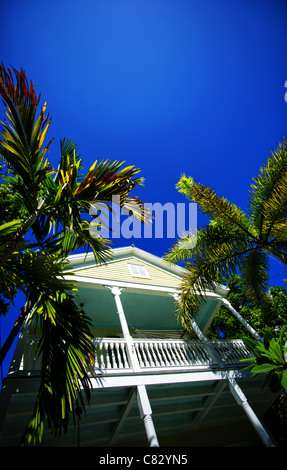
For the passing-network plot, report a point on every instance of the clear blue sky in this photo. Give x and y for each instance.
(170, 86)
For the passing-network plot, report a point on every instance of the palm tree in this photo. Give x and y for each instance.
(42, 222)
(234, 241)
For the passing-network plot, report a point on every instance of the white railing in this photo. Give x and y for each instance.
(171, 353)
(152, 354)
(232, 352)
(112, 354)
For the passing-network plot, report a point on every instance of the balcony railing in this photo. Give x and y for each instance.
(152, 355)
(155, 354)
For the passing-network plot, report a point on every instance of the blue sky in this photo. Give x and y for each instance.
(169, 86)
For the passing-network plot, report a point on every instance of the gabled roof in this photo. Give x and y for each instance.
(85, 265)
(129, 265)
(162, 279)
(85, 260)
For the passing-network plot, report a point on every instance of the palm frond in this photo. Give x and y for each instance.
(182, 249)
(43, 221)
(234, 242)
(9, 227)
(274, 209)
(66, 347)
(268, 185)
(104, 183)
(22, 143)
(214, 206)
(67, 353)
(216, 256)
(254, 270)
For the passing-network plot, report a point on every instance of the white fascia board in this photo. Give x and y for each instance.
(165, 378)
(121, 284)
(131, 285)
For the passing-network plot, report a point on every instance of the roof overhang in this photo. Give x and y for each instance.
(78, 261)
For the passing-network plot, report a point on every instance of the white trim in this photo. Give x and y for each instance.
(117, 254)
(163, 269)
(102, 382)
(132, 285)
(121, 284)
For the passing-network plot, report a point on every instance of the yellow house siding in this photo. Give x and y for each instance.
(119, 270)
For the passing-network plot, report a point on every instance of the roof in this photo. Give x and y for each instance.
(162, 280)
(82, 262)
(78, 260)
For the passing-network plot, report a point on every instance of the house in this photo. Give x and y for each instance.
(155, 384)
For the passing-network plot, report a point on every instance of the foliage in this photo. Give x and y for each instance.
(233, 241)
(270, 358)
(42, 221)
(228, 326)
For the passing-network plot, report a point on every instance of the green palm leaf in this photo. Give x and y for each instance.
(42, 222)
(264, 195)
(22, 144)
(234, 241)
(254, 269)
(214, 206)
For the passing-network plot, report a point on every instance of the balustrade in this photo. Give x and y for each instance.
(153, 354)
(163, 353)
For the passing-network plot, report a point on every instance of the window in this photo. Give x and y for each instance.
(138, 270)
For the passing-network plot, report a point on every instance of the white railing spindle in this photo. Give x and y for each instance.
(153, 354)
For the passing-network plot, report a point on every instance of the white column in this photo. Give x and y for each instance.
(251, 330)
(236, 390)
(242, 401)
(238, 394)
(116, 291)
(142, 397)
(145, 413)
(201, 336)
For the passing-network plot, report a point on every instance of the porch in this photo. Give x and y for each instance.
(151, 390)
(188, 388)
(152, 355)
(150, 386)
(156, 365)
(167, 355)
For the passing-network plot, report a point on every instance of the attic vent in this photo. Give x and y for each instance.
(138, 270)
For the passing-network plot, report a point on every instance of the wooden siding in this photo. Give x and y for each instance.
(119, 270)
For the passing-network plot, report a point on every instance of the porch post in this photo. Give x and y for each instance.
(116, 291)
(228, 305)
(238, 394)
(202, 337)
(242, 401)
(142, 397)
(145, 413)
